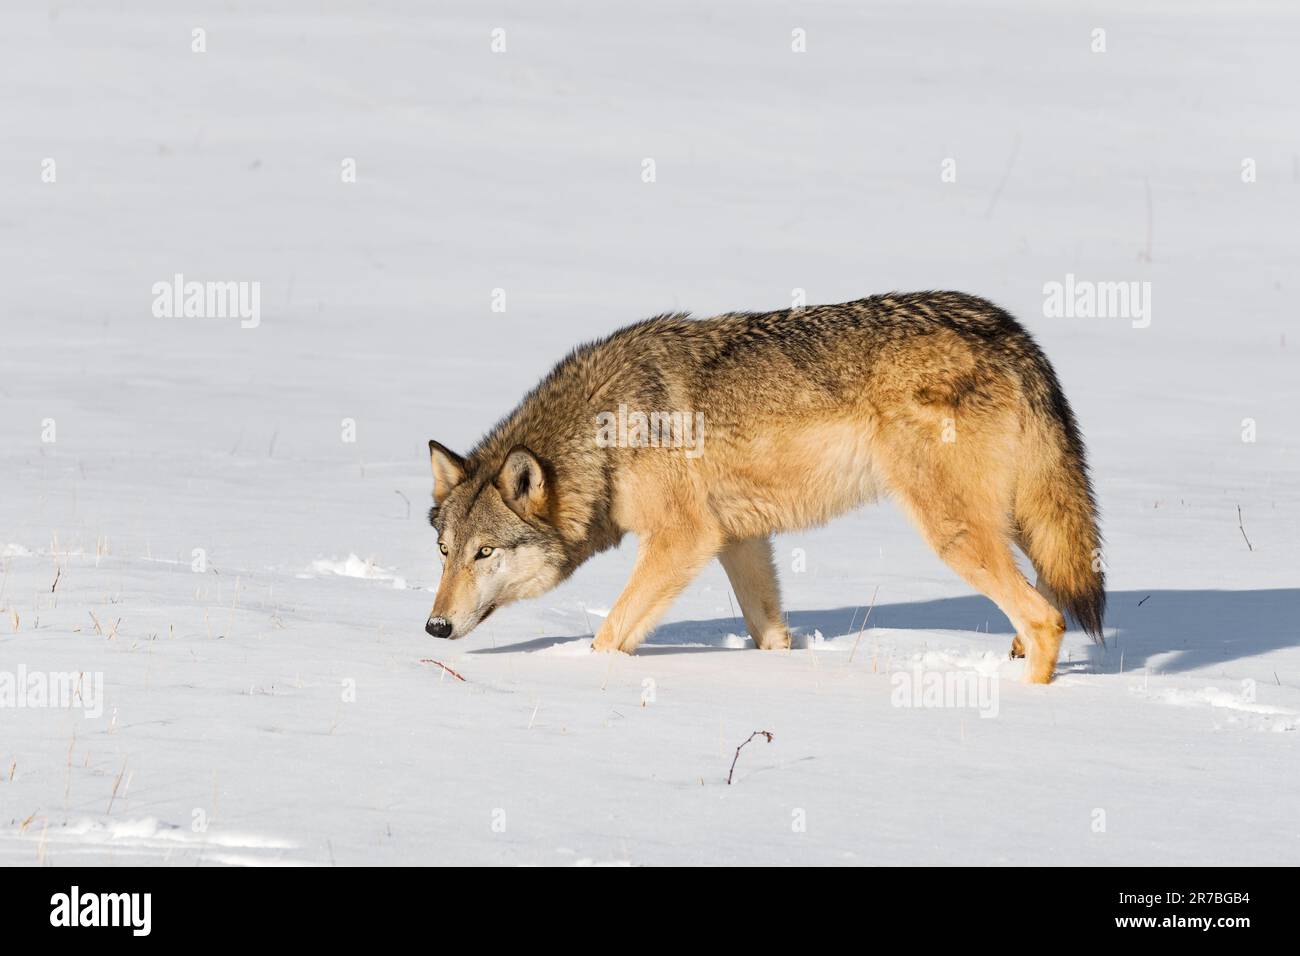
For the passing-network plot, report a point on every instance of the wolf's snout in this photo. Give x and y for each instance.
(438, 627)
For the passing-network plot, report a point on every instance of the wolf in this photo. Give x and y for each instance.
(938, 400)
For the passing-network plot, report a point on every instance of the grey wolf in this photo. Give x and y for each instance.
(938, 400)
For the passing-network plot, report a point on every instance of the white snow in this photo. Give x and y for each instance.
(287, 709)
(1274, 719)
(354, 567)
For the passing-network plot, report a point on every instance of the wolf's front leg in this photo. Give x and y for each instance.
(665, 563)
(752, 573)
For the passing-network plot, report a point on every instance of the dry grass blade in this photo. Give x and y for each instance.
(116, 783)
(864, 623)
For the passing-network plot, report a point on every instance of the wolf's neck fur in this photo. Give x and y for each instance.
(557, 421)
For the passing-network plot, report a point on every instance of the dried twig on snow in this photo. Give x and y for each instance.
(445, 668)
(757, 733)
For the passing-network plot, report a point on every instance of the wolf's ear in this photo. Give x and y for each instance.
(448, 471)
(523, 484)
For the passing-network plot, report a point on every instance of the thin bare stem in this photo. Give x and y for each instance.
(445, 668)
(758, 733)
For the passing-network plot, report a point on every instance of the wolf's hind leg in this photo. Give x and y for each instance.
(752, 574)
(1043, 588)
(980, 551)
(958, 488)
(666, 561)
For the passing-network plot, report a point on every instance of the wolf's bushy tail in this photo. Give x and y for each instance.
(1056, 513)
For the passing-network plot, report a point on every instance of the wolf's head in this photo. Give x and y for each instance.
(494, 535)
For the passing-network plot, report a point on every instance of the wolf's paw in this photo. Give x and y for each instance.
(1037, 673)
(604, 644)
(1017, 648)
(776, 639)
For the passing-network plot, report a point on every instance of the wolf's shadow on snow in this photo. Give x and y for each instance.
(1186, 630)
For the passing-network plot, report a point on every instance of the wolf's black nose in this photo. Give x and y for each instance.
(439, 627)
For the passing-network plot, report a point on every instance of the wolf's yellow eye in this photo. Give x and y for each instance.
(485, 552)
(442, 547)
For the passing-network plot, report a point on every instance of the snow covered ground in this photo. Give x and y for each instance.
(184, 521)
